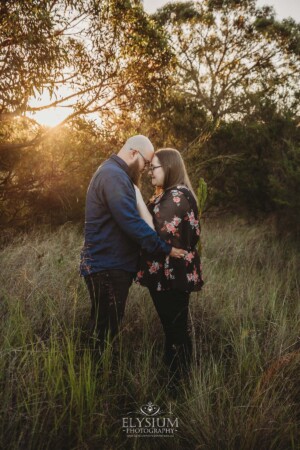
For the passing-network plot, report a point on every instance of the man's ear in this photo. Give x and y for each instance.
(133, 153)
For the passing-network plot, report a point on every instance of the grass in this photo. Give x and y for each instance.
(243, 390)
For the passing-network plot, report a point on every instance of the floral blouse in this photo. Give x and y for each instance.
(175, 217)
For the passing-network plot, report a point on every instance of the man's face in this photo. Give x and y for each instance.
(140, 165)
(135, 172)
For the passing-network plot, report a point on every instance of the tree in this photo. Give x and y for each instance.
(263, 176)
(229, 52)
(47, 184)
(108, 55)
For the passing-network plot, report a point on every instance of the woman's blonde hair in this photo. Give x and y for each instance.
(174, 169)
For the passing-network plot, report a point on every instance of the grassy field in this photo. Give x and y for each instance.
(243, 391)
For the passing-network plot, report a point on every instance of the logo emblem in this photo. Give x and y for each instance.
(149, 420)
(149, 409)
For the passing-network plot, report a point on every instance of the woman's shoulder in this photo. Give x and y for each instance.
(177, 195)
(179, 191)
(182, 196)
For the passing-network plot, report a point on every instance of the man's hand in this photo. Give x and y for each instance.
(178, 252)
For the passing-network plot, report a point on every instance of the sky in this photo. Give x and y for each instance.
(52, 116)
(283, 8)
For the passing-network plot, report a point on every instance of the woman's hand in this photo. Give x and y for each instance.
(178, 253)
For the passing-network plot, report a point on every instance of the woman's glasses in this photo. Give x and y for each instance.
(151, 168)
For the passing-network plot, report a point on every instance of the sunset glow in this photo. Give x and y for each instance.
(51, 117)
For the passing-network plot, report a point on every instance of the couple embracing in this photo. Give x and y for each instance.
(153, 245)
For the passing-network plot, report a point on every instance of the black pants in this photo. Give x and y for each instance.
(172, 307)
(108, 291)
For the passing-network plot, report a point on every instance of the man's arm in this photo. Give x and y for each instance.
(120, 196)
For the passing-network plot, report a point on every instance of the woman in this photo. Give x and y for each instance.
(170, 281)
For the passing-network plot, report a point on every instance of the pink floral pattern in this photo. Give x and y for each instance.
(176, 221)
(154, 267)
(175, 217)
(169, 275)
(189, 257)
(171, 227)
(194, 276)
(191, 218)
(140, 274)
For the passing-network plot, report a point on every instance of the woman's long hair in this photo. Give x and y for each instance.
(174, 169)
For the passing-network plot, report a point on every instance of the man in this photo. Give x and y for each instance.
(114, 234)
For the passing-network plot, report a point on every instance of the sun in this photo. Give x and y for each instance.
(49, 117)
(52, 116)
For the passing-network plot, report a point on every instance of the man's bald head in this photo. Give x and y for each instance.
(137, 152)
(140, 143)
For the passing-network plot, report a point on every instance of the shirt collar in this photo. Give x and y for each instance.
(120, 162)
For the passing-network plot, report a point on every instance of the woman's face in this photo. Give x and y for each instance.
(157, 174)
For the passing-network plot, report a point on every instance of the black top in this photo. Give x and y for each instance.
(175, 217)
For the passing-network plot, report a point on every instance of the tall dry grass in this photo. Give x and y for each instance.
(243, 390)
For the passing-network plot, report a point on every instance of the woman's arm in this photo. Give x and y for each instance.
(142, 208)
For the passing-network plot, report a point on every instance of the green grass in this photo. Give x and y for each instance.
(243, 391)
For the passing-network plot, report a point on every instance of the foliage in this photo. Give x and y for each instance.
(243, 389)
(47, 184)
(228, 51)
(105, 55)
(33, 51)
(215, 79)
(253, 166)
(201, 195)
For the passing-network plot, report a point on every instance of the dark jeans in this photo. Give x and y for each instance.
(172, 307)
(108, 291)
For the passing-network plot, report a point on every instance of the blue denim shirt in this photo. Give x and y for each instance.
(114, 230)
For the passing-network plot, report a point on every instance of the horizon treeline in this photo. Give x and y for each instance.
(218, 80)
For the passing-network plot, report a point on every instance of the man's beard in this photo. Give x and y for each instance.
(134, 173)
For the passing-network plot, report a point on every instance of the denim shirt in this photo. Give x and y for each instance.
(114, 230)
